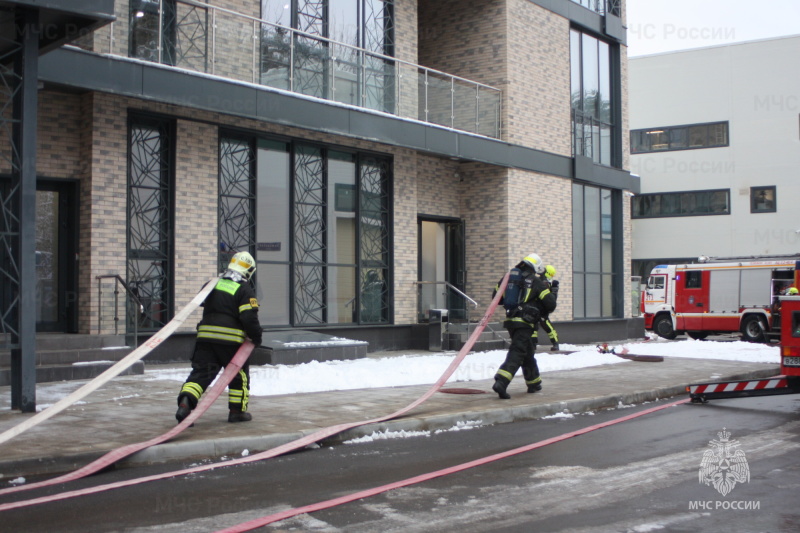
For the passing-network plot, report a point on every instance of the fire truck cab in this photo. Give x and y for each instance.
(719, 295)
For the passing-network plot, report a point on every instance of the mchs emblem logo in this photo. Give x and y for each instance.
(723, 466)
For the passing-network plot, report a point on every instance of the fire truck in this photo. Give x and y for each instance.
(719, 295)
(789, 380)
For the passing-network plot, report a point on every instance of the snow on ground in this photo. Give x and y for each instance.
(413, 369)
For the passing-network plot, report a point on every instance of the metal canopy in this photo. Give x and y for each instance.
(28, 29)
(61, 21)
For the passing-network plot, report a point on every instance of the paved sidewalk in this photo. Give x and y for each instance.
(131, 409)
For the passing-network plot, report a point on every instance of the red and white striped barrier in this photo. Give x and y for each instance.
(736, 386)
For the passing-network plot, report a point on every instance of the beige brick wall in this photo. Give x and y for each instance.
(405, 237)
(484, 195)
(103, 209)
(196, 208)
(540, 210)
(438, 186)
(537, 99)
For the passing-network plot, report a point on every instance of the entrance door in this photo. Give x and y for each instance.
(56, 294)
(441, 262)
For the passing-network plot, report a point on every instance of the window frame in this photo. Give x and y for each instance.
(636, 139)
(662, 198)
(753, 200)
(367, 165)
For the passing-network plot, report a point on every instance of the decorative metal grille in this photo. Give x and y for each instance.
(309, 236)
(374, 245)
(311, 16)
(10, 278)
(379, 26)
(191, 41)
(150, 220)
(236, 198)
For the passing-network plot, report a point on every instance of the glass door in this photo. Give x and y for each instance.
(441, 267)
(55, 257)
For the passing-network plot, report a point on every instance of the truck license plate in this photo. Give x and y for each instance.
(791, 361)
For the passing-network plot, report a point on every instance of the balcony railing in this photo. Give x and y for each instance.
(196, 36)
(612, 7)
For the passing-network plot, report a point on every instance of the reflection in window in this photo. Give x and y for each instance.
(332, 70)
(595, 254)
(689, 203)
(762, 200)
(592, 112)
(712, 135)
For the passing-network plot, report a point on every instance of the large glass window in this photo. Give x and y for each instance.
(670, 138)
(321, 232)
(331, 66)
(150, 218)
(682, 204)
(594, 252)
(592, 103)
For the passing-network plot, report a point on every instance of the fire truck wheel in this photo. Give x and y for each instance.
(663, 327)
(753, 329)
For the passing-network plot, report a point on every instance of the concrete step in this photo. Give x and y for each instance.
(293, 347)
(49, 373)
(70, 356)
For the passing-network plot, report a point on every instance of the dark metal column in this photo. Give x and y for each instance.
(23, 353)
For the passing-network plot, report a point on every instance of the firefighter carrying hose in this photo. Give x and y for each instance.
(526, 299)
(230, 314)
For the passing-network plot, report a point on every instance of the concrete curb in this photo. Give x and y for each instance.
(227, 447)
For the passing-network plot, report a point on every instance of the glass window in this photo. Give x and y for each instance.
(150, 218)
(591, 98)
(273, 241)
(695, 136)
(763, 200)
(144, 31)
(689, 203)
(694, 279)
(321, 229)
(595, 263)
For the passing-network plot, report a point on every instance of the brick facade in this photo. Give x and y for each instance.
(515, 45)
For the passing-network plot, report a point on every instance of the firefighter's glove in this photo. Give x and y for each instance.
(530, 313)
(554, 286)
(256, 342)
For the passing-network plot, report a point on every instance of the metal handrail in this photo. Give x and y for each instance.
(457, 291)
(361, 53)
(140, 306)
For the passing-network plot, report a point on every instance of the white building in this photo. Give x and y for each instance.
(715, 137)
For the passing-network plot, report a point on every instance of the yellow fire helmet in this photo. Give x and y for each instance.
(244, 264)
(535, 262)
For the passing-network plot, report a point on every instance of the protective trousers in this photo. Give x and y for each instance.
(524, 339)
(207, 360)
(550, 330)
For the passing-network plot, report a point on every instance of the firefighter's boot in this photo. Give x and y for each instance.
(500, 386)
(236, 415)
(555, 347)
(184, 407)
(536, 387)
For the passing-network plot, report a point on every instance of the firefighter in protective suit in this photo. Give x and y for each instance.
(522, 322)
(547, 326)
(230, 315)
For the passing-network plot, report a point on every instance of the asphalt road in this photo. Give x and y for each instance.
(640, 475)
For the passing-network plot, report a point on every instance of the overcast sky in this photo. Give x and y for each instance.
(656, 26)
